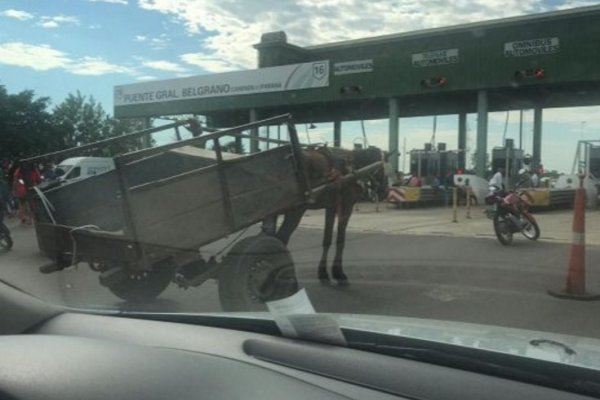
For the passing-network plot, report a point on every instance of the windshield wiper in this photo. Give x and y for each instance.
(545, 373)
(567, 349)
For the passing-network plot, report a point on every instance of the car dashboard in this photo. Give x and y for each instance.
(50, 353)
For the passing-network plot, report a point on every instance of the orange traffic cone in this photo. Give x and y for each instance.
(575, 285)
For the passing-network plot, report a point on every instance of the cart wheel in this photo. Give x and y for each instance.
(256, 270)
(146, 286)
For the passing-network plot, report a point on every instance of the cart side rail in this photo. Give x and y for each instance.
(194, 125)
(201, 140)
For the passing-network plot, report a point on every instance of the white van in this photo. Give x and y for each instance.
(78, 168)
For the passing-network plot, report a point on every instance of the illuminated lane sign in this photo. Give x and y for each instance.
(352, 67)
(435, 57)
(274, 79)
(531, 47)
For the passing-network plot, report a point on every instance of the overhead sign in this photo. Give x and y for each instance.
(352, 67)
(274, 79)
(531, 47)
(435, 57)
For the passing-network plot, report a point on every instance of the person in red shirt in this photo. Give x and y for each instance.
(26, 176)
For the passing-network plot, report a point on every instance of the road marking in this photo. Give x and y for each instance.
(445, 294)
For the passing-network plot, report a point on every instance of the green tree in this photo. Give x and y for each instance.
(26, 125)
(119, 127)
(80, 120)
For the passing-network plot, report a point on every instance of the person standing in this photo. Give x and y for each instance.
(535, 179)
(26, 176)
(498, 179)
(388, 170)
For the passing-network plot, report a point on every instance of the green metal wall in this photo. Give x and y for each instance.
(482, 64)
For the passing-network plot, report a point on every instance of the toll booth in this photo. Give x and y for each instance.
(509, 159)
(595, 160)
(430, 162)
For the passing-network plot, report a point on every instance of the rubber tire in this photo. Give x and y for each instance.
(504, 240)
(235, 276)
(6, 241)
(147, 289)
(536, 228)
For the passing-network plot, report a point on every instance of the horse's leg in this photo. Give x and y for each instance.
(338, 270)
(327, 236)
(290, 223)
(269, 225)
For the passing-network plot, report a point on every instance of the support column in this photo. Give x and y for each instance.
(521, 130)
(394, 114)
(337, 133)
(253, 132)
(482, 133)
(537, 138)
(462, 141)
(147, 139)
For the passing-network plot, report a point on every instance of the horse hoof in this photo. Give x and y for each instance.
(325, 281)
(343, 283)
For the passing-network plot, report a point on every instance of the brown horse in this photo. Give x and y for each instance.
(327, 165)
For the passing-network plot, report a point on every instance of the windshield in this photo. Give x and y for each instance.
(66, 168)
(418, 170)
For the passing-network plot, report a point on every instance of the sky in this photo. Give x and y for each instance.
(56, 47)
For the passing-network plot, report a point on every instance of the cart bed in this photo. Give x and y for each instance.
(176, 200)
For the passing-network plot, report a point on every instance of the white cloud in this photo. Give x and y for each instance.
(577, 3)
(17, 14)
(229, 30)
(164, 66)
(38, 57)
(44, 58)
(208, 63)
(146, 78)
(159, 42)
(56, 21)
(96, 66)
(123, 2)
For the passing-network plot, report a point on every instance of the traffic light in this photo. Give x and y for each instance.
(530, 73)
(358, 89)
(434, 82)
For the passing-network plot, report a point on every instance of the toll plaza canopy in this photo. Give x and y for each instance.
(529, 62)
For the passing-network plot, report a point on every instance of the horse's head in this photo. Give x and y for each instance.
(364, 157)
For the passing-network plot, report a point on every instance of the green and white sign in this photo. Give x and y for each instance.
(435, 57)
(274, 79)
(531, 47)
(353, 67)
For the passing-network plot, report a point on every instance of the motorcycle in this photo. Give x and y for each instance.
(510, 215)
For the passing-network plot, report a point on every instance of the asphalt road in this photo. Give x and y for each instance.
(461, 279)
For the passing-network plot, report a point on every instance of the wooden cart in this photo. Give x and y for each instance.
(143, 224)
